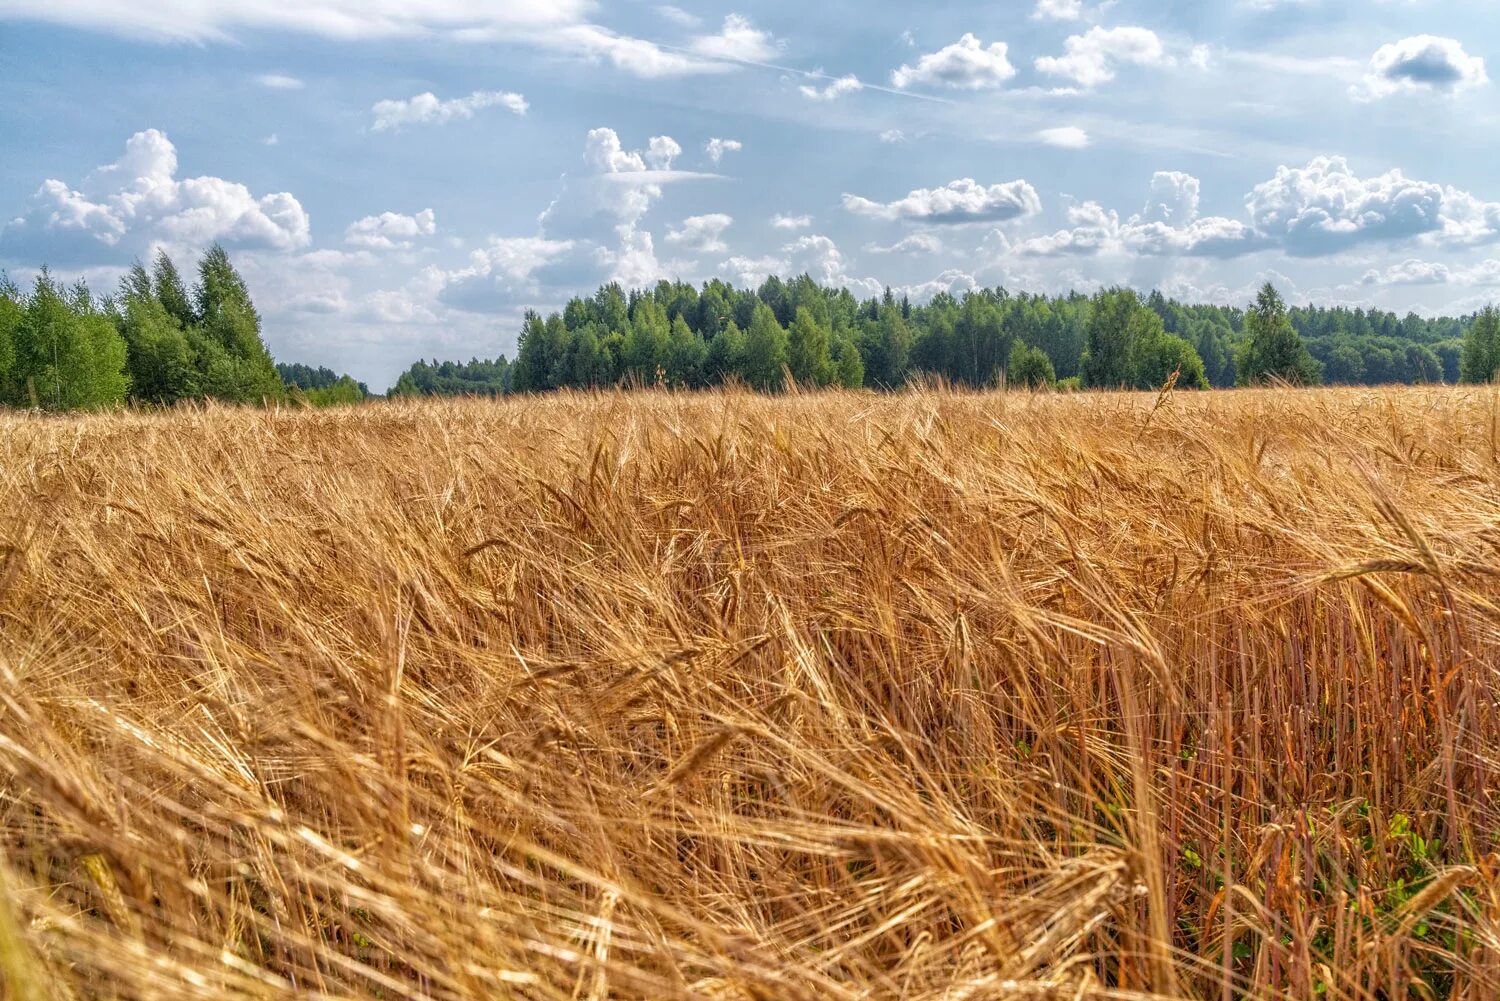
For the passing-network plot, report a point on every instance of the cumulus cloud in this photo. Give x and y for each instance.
(591, 232)
(701, 233)
(967, 64)
(750, 272)
(916, 244)
(1417, 272)
(1423, 62)
(893, 136)
(716, 148)
(1167, 226)
(1064, 137)
(1320, 209)
(499, 273)
(791, 221)
(138, 200)
(427, 109)
(835, 90)
(1325, 207)
(961, 201)
(390, 230)
(1093, 58)
(738, 40)
(820, 257)
(1174, 198)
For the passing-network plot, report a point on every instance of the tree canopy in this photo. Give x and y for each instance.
(157, 342)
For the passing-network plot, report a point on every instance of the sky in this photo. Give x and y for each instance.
(399, 180)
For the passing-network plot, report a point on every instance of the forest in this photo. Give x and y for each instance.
(155, 341)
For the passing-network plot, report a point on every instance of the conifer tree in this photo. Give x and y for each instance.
(1480, 361)
(1272, 348)
(238, 367)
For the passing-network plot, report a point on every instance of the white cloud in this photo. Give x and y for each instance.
(551, 25)
(192, 20)
(279, 81)
(1423, 62)
(716, 148)
(1320, 209)
(427, 109)
(635, 56)
(961, 201)
(819, 257)
(893, 136)
(272, 140)
(738, 40)
(390, 230)
(952, 281)
(138, 200)
(678, 16)
(791, 221)
(1416, 272)
(917, 243)
(1092, 58)
(750, 272)
(966, 65)
(504, 270)
(1325, 207)
(590, 233)
(1167, 226)
(1058, 10)
(661, 152)
(702, 233)
(1065, 137)
(835, 90)
(1174, 198)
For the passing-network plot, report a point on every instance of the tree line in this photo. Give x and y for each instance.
(156, 342)
(681, 335)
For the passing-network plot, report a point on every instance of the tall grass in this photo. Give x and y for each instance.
(929, 696)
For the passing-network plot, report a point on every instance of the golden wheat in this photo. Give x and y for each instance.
(924, 696)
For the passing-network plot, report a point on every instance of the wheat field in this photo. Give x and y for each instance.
(816, 698)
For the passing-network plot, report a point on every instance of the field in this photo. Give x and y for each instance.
(812, 698)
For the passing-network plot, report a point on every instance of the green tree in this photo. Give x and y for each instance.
(808, 352)
(1029, 367)
(886, 348)
(1272, 348)
(11, 315)
(648, 342)
(726, 354)
(686, 355)
(765, 350)
(1112, 325)
(68, 354)
(167, 286)
(1156, 354)
(536, 356)
(159, 357)
(848, 365)
(1480, 361)
(243, 371)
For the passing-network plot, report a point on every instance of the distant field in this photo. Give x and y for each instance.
(815, 698)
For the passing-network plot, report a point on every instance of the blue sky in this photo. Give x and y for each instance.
(402, 180)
